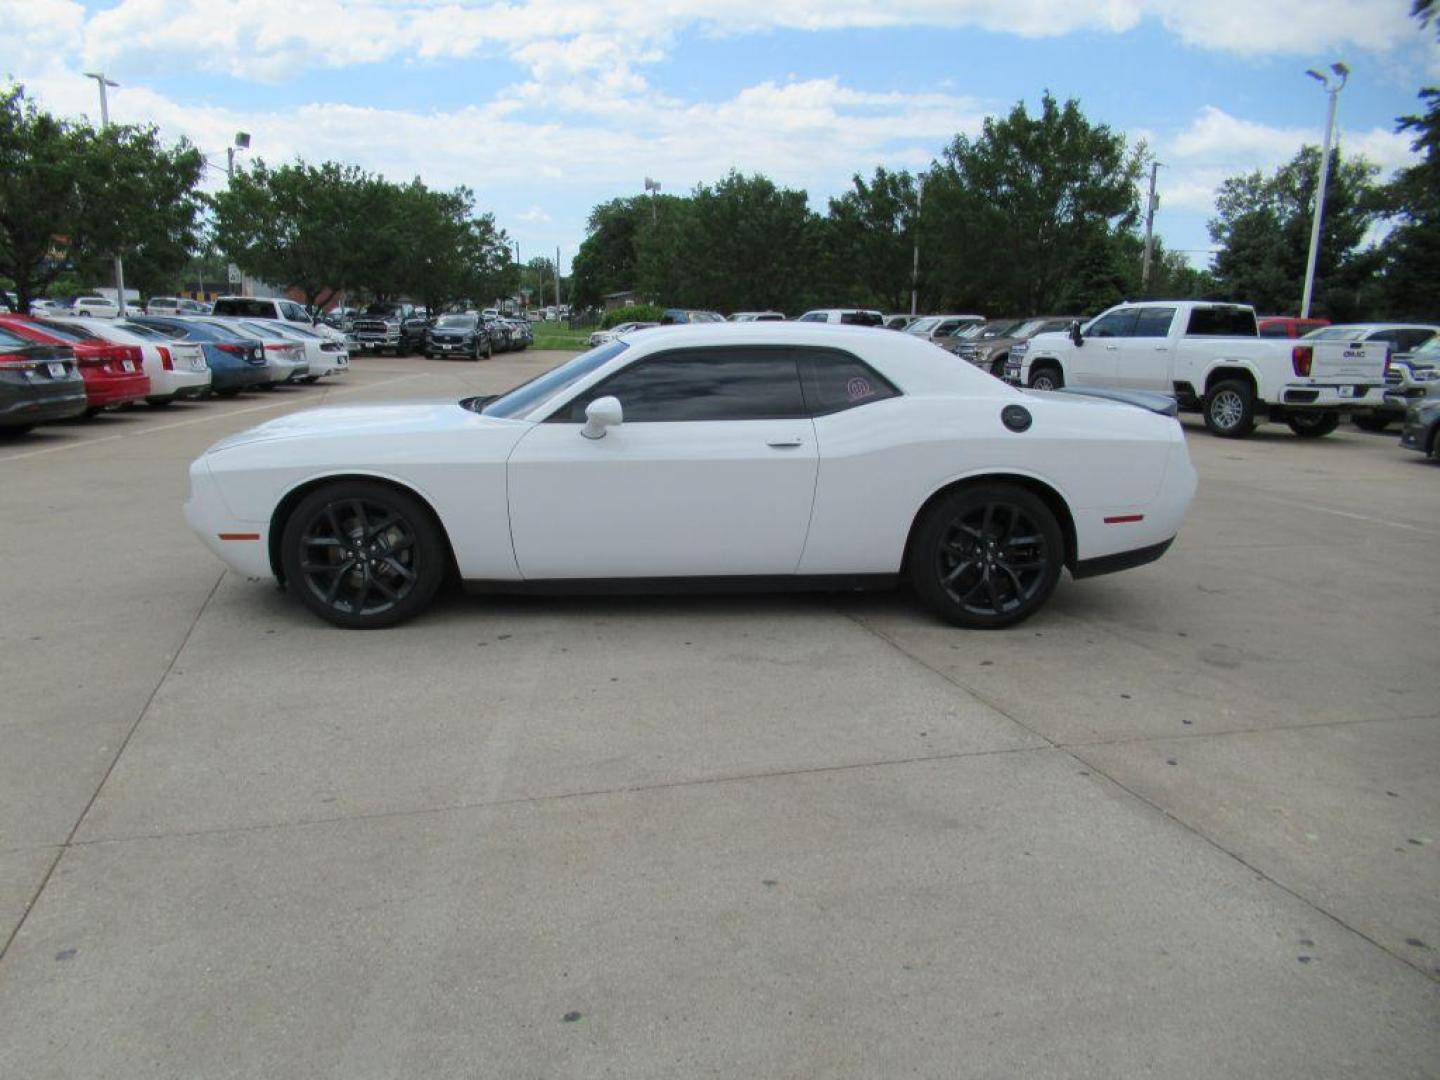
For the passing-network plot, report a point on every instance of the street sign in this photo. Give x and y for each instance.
(233, 272)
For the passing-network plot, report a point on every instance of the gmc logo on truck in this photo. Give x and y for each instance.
(1354, 354)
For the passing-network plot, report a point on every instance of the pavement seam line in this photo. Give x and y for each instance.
(560, 796)
(1304, 726)
(109, 769)
(1185, 825)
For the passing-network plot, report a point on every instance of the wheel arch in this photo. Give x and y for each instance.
(292, 498)
(1224, 370)
(1046, 492)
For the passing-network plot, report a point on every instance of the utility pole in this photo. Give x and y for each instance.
(653, 187)
(1343, 74)
(915, 254)
(103, 83)
(240, 142)
(557, 281)
(1149, 231)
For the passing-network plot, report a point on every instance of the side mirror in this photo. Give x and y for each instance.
(1075, 335)
(600, 414)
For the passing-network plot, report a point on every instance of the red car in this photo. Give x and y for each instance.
(1288, 326)
(114, 374)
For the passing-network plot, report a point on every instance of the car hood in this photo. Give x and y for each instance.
(346, 421)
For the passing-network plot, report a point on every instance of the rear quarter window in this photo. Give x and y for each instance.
(1221, 322)
(834, 381)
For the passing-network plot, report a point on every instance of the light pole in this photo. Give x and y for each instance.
(1342, 73)
(103, 83)
(1149, 231)
(915, 252)
(242, 142)
(653, 187)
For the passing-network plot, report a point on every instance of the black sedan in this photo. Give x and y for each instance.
(38, 383)
(458, 335)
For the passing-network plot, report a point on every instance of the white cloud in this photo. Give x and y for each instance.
(1217, 145)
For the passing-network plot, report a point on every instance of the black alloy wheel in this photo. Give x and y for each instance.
(362, 554)
(1372, 421)
(987, 556)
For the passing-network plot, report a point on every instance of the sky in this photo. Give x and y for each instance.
(546, 107)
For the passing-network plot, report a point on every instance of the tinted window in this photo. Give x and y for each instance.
(812, 316)
(701, 384)
(1116, 324)
(1221, 322)
(526, 396)
(834, 381)
(1275, 329)
(65, 332)
(860, 318)
(295, 312)
(1154, 322)
(255, 309)
(1410, 340)
(10, 341)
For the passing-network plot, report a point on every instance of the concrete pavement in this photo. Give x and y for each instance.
(1183, 823)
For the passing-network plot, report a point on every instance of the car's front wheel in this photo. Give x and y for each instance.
(1046, 377)
(987, 556)
(362, 554)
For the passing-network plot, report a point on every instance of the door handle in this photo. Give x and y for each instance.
(781, 444)
(1162, 348)
(1112, 348)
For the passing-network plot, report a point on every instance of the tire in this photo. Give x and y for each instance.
(227, 393)
(160, 402)
(16, 430)
(1313, 425)
(1372, 421)
(92, 412)
(310, 380)
(353, 584)
(1230, 409)
(966, 566)
(1046, 377)
(997, 368)
(475, 352)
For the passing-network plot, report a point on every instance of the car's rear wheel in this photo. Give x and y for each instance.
(475, 351)
(1372, 421)
(987, 556)
(1230, 409)
(1046, 377)
(362, 554)
(1310, 425)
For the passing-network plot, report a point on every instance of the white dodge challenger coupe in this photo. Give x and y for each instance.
(745, 455)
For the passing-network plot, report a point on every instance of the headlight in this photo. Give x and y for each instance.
(984, 351)
(1425, 374)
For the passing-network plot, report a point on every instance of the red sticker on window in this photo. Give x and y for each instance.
(858, 388)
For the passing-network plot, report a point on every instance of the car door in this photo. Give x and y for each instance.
(711, 472)
(1095, 362)
(1142, 359)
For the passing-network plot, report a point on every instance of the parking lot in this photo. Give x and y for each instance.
(1184, 822)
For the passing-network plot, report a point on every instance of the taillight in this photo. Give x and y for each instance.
(1301, 356)
(165, 361)
(233, 350)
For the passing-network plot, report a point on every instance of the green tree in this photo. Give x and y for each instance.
(607, 261)
(869, 242)
(72, 197)
(1024, 217)
(1410, 254)
(1262, 227)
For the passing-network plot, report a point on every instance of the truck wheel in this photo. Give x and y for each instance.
(997, 368)
(1313, 425)
(1230, 409)
(1371, 421)
(1046, 378)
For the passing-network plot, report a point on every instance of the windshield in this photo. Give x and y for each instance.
(382, 309)
(921, 326)
(527, 395)
(990, 330)
(463, 322)
(222, 331)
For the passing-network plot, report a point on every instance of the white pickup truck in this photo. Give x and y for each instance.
(1211, 358)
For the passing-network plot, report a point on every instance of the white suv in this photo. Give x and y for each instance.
(276, 308)
(847, 316)
(98, 306)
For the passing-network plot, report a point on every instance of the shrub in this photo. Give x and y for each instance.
(633, 313)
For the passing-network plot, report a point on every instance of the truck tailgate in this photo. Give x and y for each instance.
(1350, 361)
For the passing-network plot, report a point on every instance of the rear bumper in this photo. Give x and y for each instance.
(238, 378)
(178, 384)
(22, 408)
(106, 391)
(1332, 397)
(1123, 560)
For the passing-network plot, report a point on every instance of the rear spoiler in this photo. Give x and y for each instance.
(1162, 404)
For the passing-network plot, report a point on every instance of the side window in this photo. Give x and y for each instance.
(293, 312)
(1154, 322)
(835, 381)
(700, 384)
(1221, 321)
(813, 316)
(1116, 324)
(1275, 330)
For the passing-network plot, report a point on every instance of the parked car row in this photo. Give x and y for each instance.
(55, 368)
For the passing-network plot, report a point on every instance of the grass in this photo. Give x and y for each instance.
(557, 335)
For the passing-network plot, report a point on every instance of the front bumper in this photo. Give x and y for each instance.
(1420, 436)
(241, 545)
